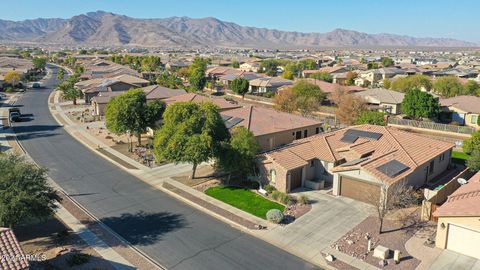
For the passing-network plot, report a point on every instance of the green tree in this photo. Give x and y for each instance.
(471, 88)
(472, 144)
(150, 63)
(448, 86)
(238, 156)
(372, 65)
(387, 62)
(474, 161)
(420, 104)
(191, 132)
(240, 86)
(323, 76)
(371, 117)
(308, 96)
(289, 75)
(39, 63)
(307, 64)
(235, 64)
(387, 83)
(130, 113)
(196, 74)
(169, 80)
(72, 94)
(24, 192)
(60, 74)
(411, 82)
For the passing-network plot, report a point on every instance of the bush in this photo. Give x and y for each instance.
(9, 90)
(302, 199)
(269, 188)
(274, 215)
(276, 194)
(78, 259)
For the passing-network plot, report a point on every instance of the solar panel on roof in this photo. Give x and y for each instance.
(392, 168)
(351, 135)
(348, 138)
(233, 122)
(353, 162)
(225, 117)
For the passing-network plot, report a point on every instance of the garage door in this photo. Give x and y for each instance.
(295, 178)
(359, 190)
(463, 240)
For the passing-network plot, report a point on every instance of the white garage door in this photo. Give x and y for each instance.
(463, 240)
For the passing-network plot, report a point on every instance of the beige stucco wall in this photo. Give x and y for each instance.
(468, 120)
(417, 178)
(284, 137)
(467, 222)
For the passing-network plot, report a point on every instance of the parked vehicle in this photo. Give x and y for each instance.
(36, 85)
(15, 117)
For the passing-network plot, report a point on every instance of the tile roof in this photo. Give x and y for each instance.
(12, 256)
(153, 92)
(261, 121)
(382, 95)
(469, 104)
(220, 102)
(464, 202)
(393, 144)
(331, 87)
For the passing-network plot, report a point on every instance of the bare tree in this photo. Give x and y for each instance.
(390, 198)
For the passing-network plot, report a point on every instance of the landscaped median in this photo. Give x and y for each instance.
(244, 199)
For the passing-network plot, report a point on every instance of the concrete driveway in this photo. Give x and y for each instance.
(330, 218)
(452, 260)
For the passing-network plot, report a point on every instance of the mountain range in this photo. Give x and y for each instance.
(107, 29)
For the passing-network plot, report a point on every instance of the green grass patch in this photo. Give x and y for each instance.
(459, 157)
(244, 199)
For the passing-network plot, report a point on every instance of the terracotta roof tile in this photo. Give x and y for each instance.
(465, 201)
(12, 256)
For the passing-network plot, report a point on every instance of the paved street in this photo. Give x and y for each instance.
(175, 234)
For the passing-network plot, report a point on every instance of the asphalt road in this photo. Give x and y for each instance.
(171, 232)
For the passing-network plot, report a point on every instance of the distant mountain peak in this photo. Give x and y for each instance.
(102, 28)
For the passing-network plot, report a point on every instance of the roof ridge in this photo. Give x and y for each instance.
(328, 145)
(401, 147)
(250, 112)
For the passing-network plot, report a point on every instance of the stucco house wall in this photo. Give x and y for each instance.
(274, 140)
(442, 231)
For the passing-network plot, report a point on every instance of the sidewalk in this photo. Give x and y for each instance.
(9, 144)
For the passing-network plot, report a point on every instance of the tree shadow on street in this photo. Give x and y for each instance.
(145, 228)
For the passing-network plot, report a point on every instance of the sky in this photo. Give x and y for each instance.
(419, 18)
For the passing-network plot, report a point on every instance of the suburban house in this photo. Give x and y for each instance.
(457, 72)
(250, 66)
(465, 110)
(22, 66)
(99, 68)
(330, 88)
(271, 128)
(267, 84)
(223, 104)
(383, 100)
(217, 72)
(12, 256)
(357, 161)
(152, 92)
(227, 79)
(375, 76)
(330, 70)
(458, 227)
(175, 65)
(93, 87)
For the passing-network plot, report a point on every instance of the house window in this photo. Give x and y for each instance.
(298, 135)
(317, 130)
(442, 157)
(273, 176)
(474, 119)
(431, 167)
(312, 163)
(305, 133)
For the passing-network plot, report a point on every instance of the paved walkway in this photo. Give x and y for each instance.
(451, 260)
(8, 144)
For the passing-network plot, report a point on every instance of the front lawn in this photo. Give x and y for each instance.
(459, 157)
(244, 199)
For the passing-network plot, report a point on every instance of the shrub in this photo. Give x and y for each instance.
(274, 215)
(9, 90)
(78, 259)
(302, 199)
(276, 194)
(269, 188)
